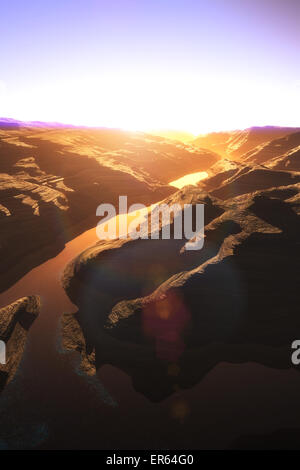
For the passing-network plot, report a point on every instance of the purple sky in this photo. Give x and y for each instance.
(195, 65)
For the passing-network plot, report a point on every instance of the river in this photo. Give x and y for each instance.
(50, 405)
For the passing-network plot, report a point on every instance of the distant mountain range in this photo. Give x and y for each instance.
(235, 144)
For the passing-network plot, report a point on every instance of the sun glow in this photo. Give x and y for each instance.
(135, 101)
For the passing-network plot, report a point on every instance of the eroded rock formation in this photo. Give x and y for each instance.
(15, 321)
(167, 316)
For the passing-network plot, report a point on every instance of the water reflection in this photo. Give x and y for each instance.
(192, 178)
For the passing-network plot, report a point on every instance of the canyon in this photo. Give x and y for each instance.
(166, 317)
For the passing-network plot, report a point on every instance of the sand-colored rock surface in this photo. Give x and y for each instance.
(288, 161)
(227, 179)
(275, 151)
(15, 321)
(234, 144)
(251, 178)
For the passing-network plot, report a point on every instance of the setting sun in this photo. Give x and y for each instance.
(130, 99)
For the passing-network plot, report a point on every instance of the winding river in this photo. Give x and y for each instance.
(50, 405)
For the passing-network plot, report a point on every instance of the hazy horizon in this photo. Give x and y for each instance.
(40, 124)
